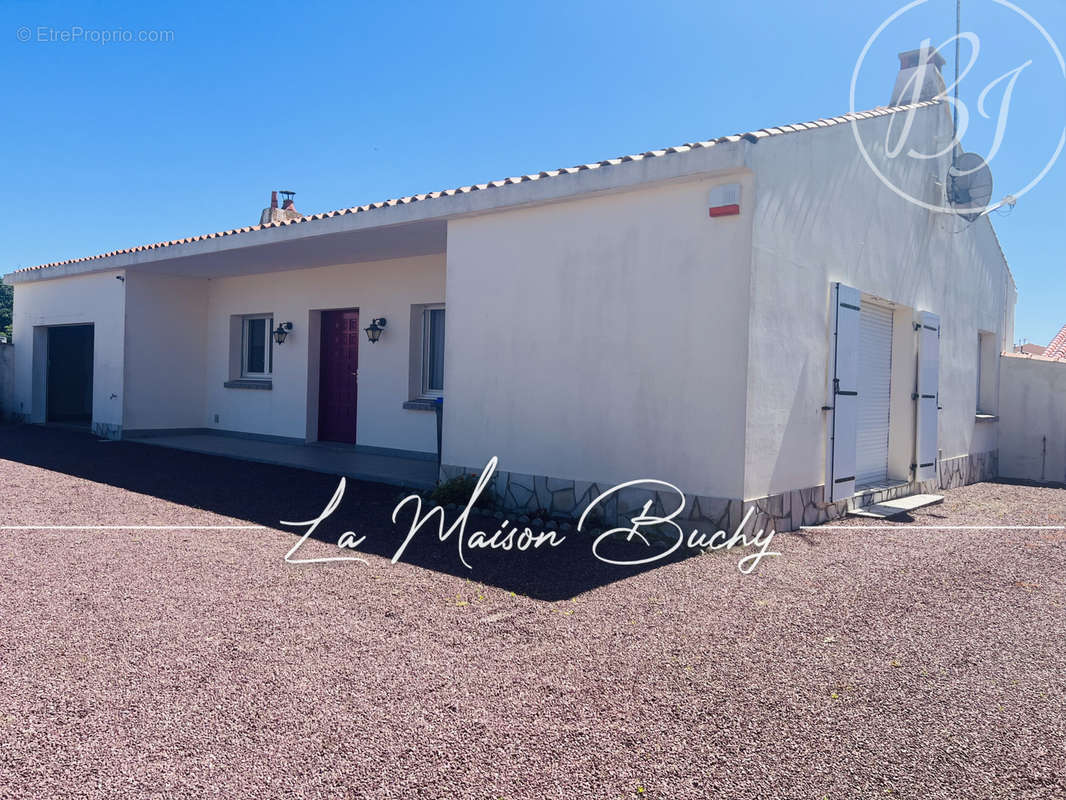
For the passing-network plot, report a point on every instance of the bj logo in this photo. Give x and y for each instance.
(965, 177)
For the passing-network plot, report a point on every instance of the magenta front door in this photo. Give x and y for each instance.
(339, 376)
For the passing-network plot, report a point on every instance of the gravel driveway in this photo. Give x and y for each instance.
(173, 663)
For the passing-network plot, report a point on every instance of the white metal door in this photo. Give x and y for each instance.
(875, 381)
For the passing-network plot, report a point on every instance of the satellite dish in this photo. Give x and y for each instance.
(970, 186)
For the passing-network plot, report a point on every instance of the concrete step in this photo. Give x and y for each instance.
(902, 505)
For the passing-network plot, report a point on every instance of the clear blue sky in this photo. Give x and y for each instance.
(112, 145)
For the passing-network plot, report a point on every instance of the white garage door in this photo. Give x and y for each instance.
(875, 378)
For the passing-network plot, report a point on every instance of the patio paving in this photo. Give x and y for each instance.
(875, 659)
(328, 458)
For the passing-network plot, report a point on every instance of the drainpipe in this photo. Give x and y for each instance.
(1044, 462)
(438, 407)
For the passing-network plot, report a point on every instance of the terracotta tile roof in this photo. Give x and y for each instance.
(1030, 349)
(751, 136)
(1034, 357)
(1057, 348)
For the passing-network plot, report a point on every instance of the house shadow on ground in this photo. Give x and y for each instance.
(265, 494)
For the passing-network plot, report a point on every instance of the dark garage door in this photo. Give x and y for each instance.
(70, 373)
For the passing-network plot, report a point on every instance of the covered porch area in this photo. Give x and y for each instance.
(263, 352)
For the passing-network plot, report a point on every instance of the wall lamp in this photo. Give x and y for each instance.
(282, 331)
(377, 325)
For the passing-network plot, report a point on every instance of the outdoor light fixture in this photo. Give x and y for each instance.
(282, 331)
(373, 332)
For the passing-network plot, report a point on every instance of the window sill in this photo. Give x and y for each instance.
(249, 383)
(987, 418)
(421, 404)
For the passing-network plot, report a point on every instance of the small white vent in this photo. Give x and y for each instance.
(727, 194)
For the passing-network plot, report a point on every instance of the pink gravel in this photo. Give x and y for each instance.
(175, 663)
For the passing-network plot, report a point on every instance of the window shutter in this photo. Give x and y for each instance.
(844, 395)
(928, 394)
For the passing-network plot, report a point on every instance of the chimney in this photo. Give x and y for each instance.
(919, 76)
(287, 212)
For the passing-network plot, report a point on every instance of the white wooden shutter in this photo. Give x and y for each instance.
(844, 395)
(928, 394)
(875, 400)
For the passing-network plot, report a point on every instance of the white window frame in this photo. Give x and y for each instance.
(268, 356)
(428, 393)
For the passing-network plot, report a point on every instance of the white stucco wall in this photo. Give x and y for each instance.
(378, 289)
(98, 299)
(166, 321)
(823, 216)
(1033, 419)
(602, 339)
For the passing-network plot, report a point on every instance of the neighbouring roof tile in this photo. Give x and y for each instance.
(1057, 348)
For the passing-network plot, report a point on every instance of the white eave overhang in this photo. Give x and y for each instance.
(411, 226)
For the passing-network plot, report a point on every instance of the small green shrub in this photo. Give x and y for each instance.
(459, 489)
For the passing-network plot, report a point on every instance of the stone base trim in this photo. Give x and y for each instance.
(964, 470)
(106, 430)
(791, 510)
(538, 496)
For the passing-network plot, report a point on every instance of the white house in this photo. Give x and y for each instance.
(756, 319)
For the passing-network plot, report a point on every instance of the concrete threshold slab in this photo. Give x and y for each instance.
(892, 508)
(406, 472)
